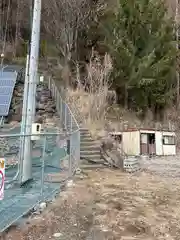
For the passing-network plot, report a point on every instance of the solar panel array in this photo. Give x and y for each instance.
(7, 84)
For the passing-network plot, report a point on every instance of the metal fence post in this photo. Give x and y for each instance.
(53, 90)
(49, 83)
(61, 110)
(43, 168)
(58, 102)
(78, 149)
(70, 154)
(55, 97)
(65, 117)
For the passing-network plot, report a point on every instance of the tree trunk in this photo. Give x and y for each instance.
(177, 89)
(126, 97)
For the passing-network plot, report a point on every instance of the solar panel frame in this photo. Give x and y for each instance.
(8, 75)
(7, 81)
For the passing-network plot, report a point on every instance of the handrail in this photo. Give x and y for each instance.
(70, 111)
(52, 82)
(68, 120)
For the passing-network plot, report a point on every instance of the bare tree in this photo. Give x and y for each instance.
(63, 20)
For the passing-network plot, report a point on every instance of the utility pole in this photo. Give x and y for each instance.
(33, 63)
(23, 121)
(177, 48)
(37, 51)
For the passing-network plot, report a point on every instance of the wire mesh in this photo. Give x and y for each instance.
(51, 166)
(55, 157)
(68, 121)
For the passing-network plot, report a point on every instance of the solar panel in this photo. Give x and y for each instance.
(7, 75)
(12, 68)
(3, 109)
(7, 84)
(4, 99)
(5, 90)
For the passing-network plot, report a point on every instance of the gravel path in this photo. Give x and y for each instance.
(163, 166)
(108, 204)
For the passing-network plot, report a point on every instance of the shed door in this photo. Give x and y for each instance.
(144, 143)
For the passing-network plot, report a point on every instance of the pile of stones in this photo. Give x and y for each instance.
(45, 106)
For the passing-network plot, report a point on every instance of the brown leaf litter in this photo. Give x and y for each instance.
(109, 204)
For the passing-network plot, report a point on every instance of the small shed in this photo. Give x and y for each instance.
(146, 142)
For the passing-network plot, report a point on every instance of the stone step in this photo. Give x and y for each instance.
(93, 161)
(90, 157)
(87, 162)
(89, 143)
(86, 136)
(91, 147)
(84, 130)
(92, 166)
(89, 152)
(86, 140)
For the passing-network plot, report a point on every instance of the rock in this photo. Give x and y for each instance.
(78, 171)
(107, 144)
(19, 94)
(57, 235)
(49, 110)
(45, 106)
(39, 119)
(70, 183)
(40, 112)
(14, 123)
(40, 106)
(43, 99)
(17, 117)
(18, 109)
(40, 89)
(42, 206)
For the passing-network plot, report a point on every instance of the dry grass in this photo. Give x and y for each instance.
(91, 99)
(93, 103)
(110, 204)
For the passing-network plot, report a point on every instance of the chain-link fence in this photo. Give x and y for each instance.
(67, 119)
(53, 162)
(55, 157)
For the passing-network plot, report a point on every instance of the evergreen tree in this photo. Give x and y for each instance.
(140, 39)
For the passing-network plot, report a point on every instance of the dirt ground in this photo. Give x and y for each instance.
(107, 204)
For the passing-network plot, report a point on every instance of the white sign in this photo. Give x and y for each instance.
(2, 177)
(41, 79)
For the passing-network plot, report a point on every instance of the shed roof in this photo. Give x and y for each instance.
(141, 129)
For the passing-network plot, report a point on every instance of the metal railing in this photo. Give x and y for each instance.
(67, 119)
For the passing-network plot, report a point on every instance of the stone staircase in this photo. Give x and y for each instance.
(90, 150)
